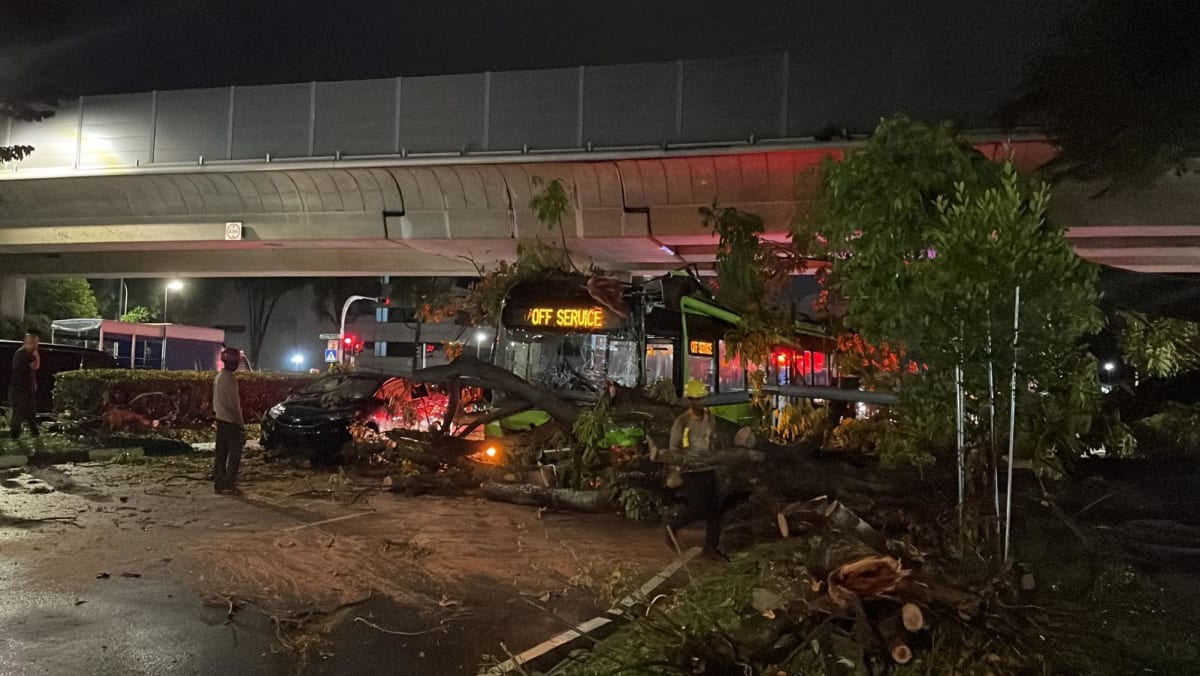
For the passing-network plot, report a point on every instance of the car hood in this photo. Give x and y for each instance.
(311, 410)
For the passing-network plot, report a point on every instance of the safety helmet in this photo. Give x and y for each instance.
(695, 389)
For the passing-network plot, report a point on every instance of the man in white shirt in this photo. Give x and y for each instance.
(227, 405)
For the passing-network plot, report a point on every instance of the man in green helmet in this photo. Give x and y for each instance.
(692, 451)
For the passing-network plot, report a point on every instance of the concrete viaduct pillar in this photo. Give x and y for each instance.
(12, 298)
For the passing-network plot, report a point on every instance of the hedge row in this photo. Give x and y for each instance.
(176, 398)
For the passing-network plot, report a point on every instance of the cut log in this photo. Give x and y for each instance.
(865, 578)
(782, 522)
(913, 617)
(541, 496)
(901, 653)
(497, 378)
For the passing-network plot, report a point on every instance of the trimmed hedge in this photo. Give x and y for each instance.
(177, 398)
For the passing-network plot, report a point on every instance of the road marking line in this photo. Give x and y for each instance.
(618, 610)
(291, 529)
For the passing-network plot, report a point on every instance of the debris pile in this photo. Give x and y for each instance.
(832, 596)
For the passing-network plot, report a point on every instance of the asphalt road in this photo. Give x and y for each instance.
(139, 578)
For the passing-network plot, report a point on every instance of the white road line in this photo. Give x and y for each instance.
(356, 515)
(618, 610)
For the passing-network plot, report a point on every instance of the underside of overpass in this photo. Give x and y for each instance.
(634, 212)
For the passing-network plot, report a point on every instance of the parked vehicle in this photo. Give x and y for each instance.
(55, 359)
(318, 419)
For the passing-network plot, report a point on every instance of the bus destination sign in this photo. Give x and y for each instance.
(566, 318)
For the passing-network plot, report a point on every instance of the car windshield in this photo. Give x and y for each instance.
(342, 388)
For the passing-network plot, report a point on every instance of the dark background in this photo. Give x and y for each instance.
(117, 46)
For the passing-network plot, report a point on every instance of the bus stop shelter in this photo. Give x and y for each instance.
(175, 347)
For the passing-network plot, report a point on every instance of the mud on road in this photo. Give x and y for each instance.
(142, 569)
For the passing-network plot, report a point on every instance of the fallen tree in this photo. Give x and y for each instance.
(469, 370)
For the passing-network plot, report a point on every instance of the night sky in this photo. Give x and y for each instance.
(132, 45)
(115, 46)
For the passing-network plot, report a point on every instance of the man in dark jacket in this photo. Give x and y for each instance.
(227, 407)
(22, 390)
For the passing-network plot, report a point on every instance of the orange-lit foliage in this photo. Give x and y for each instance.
(873, 362)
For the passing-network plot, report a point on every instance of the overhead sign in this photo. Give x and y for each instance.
(702, 348)
(233, 231)
(331, 356)
(566, 318)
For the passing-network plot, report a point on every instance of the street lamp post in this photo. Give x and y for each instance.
(342, 326)
(173, 285)
(122, 299)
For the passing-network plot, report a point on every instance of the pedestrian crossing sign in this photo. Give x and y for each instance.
(331, 356)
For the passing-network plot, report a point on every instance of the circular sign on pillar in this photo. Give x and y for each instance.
(233, 231)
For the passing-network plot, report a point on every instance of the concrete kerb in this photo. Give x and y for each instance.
(620, 609)
(11, 461)
(101, 454)
(43, 458)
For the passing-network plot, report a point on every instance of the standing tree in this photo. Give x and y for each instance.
(138, 314)
(61, 299)
(928, 240)
(753, 277)
(262, 295)
(1118, 93)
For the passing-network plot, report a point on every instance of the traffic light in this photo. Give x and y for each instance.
(385, 296)
(352, 345)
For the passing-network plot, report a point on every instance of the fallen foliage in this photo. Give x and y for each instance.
(834, 597)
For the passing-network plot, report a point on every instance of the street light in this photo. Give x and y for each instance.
(480, 336)
(173, 285)
(298, 361)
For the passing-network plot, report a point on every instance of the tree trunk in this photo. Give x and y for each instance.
(540, 496)
(495, 377)
(444, 483)
(510, 407)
